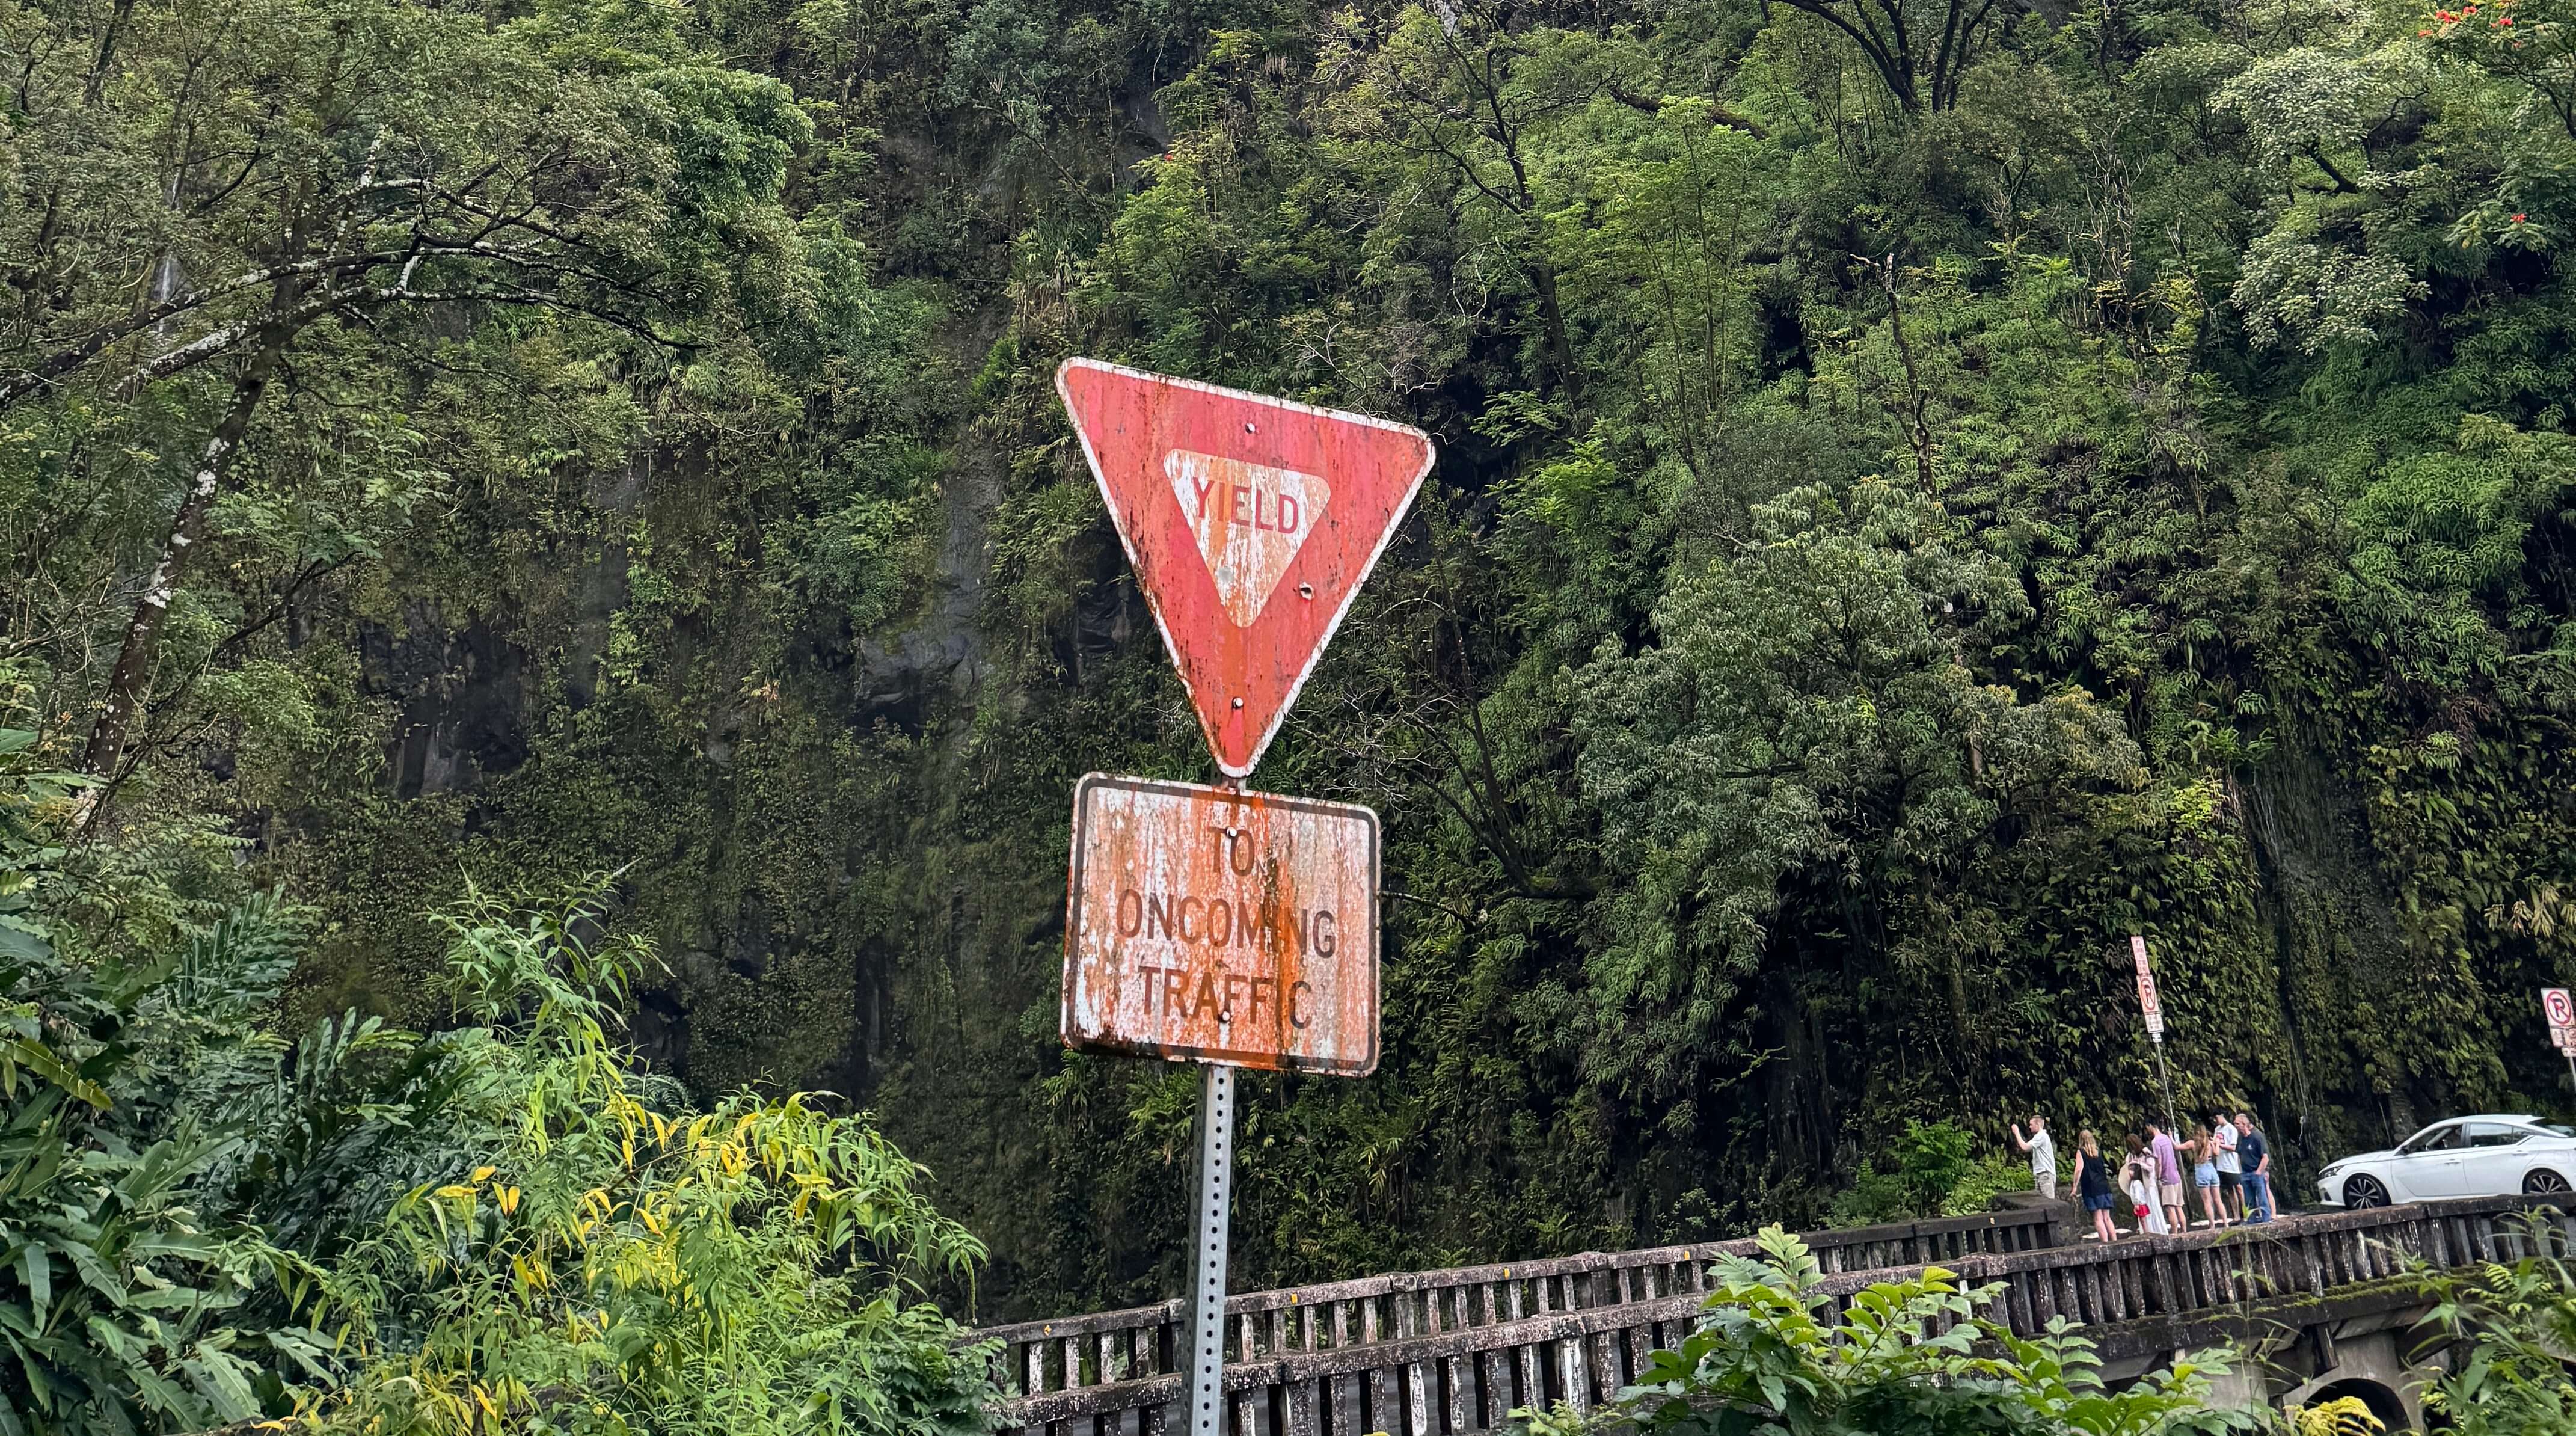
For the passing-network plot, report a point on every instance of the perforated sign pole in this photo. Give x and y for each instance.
(1207, 1298)
(1215, 1220)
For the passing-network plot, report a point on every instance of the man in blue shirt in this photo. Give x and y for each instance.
(2255, 1154)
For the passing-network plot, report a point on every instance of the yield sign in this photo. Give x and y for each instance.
(1251, 522)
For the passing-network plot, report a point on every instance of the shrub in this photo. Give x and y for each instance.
(505, 1226)
(2512, 1320)
(1910, 1355)
(1934, 1176)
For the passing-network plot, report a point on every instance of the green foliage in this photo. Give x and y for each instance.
(134, 1295)
(2508, 1323)
(1934, 1174)
(34, 797)
(503, 1226)
(2343, 1416)
(1769, 1357)
(618, 1262)
(1983, 1181)
(1906, 521)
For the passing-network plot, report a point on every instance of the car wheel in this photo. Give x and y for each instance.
(2364, 1191)
(2544, 1183)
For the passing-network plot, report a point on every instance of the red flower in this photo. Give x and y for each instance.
(2518, 219)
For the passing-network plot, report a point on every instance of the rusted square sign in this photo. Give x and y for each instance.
(1230, 927)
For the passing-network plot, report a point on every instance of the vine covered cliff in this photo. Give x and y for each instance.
(1928, 488)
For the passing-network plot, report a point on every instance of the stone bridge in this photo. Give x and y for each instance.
(2318, 1302)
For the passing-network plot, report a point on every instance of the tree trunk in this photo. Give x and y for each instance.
(130, 681)
(1560, 343)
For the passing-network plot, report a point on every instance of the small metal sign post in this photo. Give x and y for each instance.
(2561, 1012)
(1207, 1270)
(1214, 924)
(2152, 1005)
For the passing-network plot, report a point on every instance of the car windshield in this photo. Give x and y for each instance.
(2552, 1129)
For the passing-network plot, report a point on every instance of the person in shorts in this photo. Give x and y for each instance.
(2043, 1156)
(2204, 1174)
(2160, 1144)
(2231, 1169)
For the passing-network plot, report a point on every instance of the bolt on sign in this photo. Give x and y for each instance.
(1222, 926)
(1250, 521)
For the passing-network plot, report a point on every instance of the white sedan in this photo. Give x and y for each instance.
(2463, 1157)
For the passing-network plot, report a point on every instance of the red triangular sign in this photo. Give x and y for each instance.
(1251, 521)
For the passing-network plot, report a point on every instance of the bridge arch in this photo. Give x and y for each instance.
(2384, 1403)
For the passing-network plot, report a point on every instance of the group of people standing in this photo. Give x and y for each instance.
(2230, 1162)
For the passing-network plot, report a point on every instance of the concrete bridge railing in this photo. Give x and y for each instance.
(1116, 1348)
(1447, 1353)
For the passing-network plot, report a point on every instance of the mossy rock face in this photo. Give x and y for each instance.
(854, 877)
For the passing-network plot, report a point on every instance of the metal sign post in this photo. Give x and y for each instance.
(1207, 1279)
(2151, 1004)
(1215, 925)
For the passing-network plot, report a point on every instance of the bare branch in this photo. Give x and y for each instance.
(80, 351)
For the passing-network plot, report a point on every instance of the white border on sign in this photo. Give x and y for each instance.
(1333, 625)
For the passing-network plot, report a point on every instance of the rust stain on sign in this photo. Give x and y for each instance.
(1220, 925)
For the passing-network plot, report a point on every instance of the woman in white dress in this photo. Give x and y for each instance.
(2138, 1179)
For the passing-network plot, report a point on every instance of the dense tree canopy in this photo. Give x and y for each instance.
(1928, 489)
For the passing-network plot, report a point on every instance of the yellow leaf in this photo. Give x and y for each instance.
(483, 1174)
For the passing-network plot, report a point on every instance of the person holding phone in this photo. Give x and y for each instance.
(2043, 1155)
